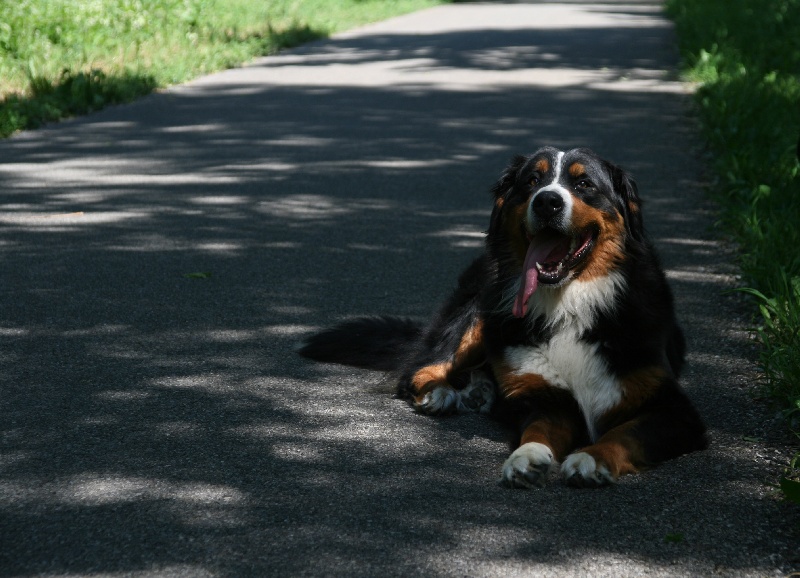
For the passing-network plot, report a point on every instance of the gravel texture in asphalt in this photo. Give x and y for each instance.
(161, 260)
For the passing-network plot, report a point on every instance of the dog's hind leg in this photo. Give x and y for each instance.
(454, 385)
(432, 393)
(439, 397)
(479, 395)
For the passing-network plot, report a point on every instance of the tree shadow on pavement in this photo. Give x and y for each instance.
(157, 421)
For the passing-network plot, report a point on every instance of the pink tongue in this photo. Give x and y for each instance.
(550, 251)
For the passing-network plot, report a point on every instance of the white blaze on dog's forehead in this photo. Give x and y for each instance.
(559, 159)
(554, 185)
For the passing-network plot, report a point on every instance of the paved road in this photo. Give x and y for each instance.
(159, 424)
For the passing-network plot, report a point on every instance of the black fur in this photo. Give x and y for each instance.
(380, 343)
(637, 337)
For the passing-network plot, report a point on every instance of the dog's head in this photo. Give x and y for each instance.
(561, 216)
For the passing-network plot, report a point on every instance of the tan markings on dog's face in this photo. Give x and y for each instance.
(577, 169)
(608, 251)
(542, 165)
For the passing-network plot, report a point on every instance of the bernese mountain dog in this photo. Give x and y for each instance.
(563, 329)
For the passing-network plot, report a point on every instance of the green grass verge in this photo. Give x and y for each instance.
(745, 55)
(60, 58)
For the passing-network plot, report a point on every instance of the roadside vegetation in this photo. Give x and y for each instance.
(746, 58)
(60, 58)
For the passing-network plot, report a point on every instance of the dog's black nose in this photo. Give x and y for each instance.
(547, 204)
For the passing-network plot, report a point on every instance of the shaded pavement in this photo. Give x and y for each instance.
(160, 261)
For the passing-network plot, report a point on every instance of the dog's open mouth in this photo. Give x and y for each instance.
(551, 255)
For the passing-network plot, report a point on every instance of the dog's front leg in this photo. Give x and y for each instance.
(665, 427)
(551, 428)
(618, 452)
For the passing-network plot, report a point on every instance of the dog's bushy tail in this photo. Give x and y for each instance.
(381, 343)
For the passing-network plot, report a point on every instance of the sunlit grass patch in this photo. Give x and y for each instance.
(53, 51)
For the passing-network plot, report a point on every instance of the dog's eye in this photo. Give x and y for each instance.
(535, 180)
(584, 184)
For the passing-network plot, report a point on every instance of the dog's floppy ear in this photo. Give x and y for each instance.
(500, 188)
(509, 176)
(626, 188)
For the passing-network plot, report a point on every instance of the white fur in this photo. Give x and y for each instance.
(559, 160)
(575, 366)
(565, 218)
(528, 466)
(569, 310)
(577, 303)
(585, 466)
(572, 301)
(442, 399)
(567, 361)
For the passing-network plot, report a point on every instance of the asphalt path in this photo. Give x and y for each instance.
(161, 260)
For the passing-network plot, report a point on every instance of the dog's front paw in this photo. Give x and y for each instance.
(478, 396)
(439, 400)
(528, 466)
(581, 470)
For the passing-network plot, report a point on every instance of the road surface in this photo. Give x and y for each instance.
(161, 260)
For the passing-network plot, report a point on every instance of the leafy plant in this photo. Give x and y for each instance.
(674, 538)
(746, 58)
(790, 482)
(779, 334)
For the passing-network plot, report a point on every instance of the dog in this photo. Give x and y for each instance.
(563, 329)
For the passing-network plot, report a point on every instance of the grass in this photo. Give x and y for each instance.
(59, 58)
(745, 55)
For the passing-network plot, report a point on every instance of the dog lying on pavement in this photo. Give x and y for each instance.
(563, 329)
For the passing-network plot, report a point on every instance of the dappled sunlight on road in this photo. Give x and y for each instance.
(162, 260)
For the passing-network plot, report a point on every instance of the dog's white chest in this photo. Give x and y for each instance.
(574, 365)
